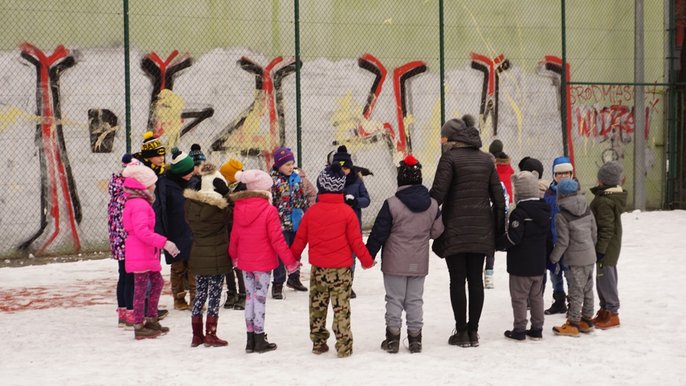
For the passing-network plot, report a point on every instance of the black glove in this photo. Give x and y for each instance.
(351, 200)
(599, 257)
(501, 243)
(220, 186)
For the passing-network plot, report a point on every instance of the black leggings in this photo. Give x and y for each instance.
(469, 267)
(124, 288)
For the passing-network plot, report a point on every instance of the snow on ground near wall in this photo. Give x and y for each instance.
(59, 327)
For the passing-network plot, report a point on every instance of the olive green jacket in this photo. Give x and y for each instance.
(208, 216)
(607, 206)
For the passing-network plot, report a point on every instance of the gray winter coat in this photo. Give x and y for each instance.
(577, 232)
(403, 227)
(466, 183)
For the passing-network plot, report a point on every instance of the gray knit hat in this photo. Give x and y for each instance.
(525, 185)
(452, 128)
(611, 173)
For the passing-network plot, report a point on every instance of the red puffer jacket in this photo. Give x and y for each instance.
(333, 232)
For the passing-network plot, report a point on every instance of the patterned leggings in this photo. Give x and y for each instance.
(140, 286)
(256, 288)
(208, 284)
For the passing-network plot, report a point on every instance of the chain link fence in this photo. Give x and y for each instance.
(81, 81)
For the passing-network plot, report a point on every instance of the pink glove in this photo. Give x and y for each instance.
(294, 268)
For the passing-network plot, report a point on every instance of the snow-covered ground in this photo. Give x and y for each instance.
(58, 327)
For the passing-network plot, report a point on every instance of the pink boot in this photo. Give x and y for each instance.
(121, 314)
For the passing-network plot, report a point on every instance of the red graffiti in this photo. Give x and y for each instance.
(601, 122)
(491, 85)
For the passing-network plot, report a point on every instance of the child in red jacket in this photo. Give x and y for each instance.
(255, 246)
(333, 232)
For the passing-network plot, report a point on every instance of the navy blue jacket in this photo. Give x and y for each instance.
(170, 215)
(528, 239)
(355, 186)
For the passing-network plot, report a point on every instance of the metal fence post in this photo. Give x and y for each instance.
(639, 115)
(127, 76)
(298, 118)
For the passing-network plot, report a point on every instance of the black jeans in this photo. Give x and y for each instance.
(124, 288)
(469, 267)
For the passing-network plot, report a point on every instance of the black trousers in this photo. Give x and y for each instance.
(466, 267)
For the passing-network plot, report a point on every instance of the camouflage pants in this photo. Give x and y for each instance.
(331, 285)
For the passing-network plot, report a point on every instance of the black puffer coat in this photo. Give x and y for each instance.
(466, 183)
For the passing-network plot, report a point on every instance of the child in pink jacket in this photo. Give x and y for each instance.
(256, 240)
(142, 247)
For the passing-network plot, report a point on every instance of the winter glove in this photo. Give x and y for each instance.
(351, 200)
(220, 186)
(170, 247)
(501, 243)
(294, 268)
(599, 257)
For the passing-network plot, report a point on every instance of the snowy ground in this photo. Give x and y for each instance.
(58, 325)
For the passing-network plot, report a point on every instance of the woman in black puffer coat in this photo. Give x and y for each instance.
(468, 187)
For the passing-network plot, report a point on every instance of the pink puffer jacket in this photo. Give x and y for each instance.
(256, 236)
(142, 244)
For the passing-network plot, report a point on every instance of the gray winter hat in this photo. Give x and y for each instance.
(611, 173)
(525, 185)
(452, 128)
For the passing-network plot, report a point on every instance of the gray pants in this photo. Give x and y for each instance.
(606, 283)
(527, 290)
(580, 296)
(404, 293)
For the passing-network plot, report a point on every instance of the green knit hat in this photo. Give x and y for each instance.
(181, 163)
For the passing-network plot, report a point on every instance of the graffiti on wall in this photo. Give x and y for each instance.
(492, 68)
(60, 213)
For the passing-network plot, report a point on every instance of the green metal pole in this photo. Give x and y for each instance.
(127, 76)
(563, 81)
(671, 123)
(441, 57)
(298, 106)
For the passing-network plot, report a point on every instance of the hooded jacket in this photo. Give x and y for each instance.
(333, 233)
(142, 245)
(576, 232)
(528, 239)
(402, 231)
(256, 237)
(466, 183)
(171, 217)
(607, 206)
(208, 217)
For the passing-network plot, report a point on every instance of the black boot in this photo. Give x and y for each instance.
(231, 299)
(261, 344)
(240, 304)
(559, 305)
(415, 341)
(277, 291)
(460, 338)
(295, 284)
(392, 342)
(250, 344)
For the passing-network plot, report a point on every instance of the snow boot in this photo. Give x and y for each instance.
(161, 314)
(296, 285)
(198, 337)
(488, 279)
(277, 291)
(473, 338)
(567, 329)
(559, 306)
(515, 334)
(586, 325)
(392, 342)
(535, 333)
(460, 338)
(121, 315)
(231, 299)
(141, 332)
(320, 348)
(154, 324)
(250, 343)
(414, 339)
(262, 345)
(211, 339)
(240, 302)
(611, 321)
(601, 316)
(180, 301)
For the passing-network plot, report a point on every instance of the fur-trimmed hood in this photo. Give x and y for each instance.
(211, 198)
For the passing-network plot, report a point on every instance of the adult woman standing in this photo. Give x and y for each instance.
(466, 183)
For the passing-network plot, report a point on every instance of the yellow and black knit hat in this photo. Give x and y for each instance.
(152, 147)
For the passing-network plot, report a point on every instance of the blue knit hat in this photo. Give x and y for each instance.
(562, 165)
(567, 187)
(197, 154)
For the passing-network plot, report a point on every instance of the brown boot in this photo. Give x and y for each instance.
(586, 325)
(180, 301)
(612, 321)
(567, 329)
(601, 316)
(141, 332)
(198, 337)
(211, 339)
(154, 324)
